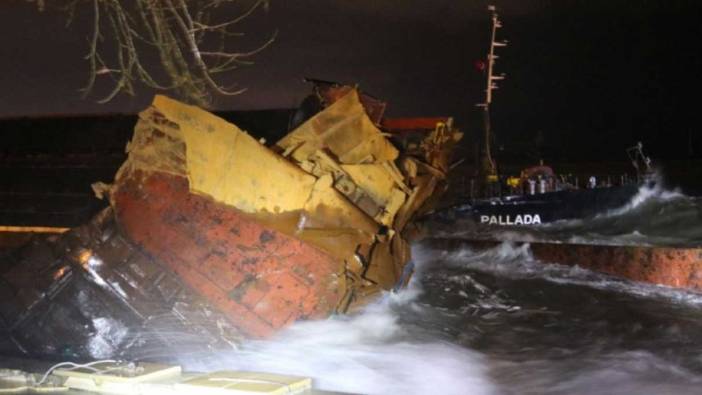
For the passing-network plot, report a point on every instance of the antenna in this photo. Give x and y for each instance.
(496, 24)
(488, 166)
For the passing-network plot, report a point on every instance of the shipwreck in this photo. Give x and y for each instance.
(211, 236)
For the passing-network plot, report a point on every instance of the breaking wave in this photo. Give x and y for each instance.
(516, 262)
(370, 353)
(495, 321)
(653, 216)
(500, 321)
(648, 192)
(555, 329)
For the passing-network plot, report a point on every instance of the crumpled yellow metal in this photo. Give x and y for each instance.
(333, 182)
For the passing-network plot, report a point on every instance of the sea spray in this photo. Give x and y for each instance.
(557, 329)
(368, 353)
(649, 191)
(653, 216)
(509, 260)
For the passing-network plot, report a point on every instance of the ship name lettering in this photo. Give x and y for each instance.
(519, 219)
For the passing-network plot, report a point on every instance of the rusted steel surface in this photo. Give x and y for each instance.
(669, 266)
(403, 125)
(329, 92)
(211, 236)
(674, 267)
(316, 225)
(260, 278)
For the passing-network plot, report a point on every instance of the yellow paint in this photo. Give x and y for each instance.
(241, 383)
(225, 163)
(513, 182)
(378, 181)
(345, 130)
(335, 185)
(32, 229)
(232, 167)
(334, 222)
(374, 179)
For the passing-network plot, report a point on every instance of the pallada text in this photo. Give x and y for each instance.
(519, 219)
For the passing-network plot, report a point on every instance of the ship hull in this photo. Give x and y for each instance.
(675, 267)
(260, 278)
(212, 237)
(532, 210)
(94, 294)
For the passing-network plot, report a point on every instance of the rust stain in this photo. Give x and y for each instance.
(316, 225)
(233, 278)
(669, 266)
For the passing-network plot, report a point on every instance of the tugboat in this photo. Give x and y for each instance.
(538, 195)
(539, 208)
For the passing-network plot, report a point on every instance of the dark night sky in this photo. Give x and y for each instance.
(589, 76)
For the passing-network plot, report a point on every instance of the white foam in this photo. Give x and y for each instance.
(647, 192)
(516, 262)
(367, 353)
(107, 333)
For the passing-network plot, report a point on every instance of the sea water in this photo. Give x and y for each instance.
(501, 322)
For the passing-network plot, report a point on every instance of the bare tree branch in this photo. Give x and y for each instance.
(179, 34)
(225, 25)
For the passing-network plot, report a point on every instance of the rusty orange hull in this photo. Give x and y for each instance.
(212, 236)
(261, 239)
(260, 278)
(312, 226)
(673, 267)
(668, 266)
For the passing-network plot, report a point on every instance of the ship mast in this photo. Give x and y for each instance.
(488, 166)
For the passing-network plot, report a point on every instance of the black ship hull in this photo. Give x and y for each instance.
(530, 210)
